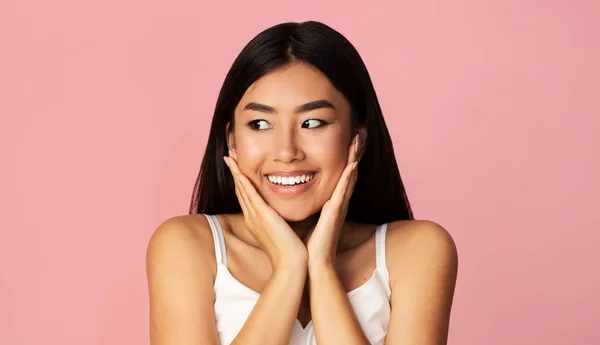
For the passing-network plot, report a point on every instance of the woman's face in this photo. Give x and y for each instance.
(292, 127)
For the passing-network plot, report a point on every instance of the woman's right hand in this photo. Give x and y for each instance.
(271, 231)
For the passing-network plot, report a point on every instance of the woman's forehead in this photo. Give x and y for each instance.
(292, 86)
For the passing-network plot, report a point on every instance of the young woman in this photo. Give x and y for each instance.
(300, 231)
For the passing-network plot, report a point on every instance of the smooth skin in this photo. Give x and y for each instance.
(302, 264)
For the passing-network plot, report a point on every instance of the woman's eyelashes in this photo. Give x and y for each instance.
(313, 123)
(255, 125)
(259, 125)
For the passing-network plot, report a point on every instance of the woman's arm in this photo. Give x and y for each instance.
(180, 280)
(333, 317)
(180, 269)
(272, 319)
(423, 265)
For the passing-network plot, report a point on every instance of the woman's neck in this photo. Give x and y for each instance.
(305, 227)
(302, 228)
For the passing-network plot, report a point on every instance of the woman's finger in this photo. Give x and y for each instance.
(342, 185)
(240, 193)
(254, 199)
(353, 150)
(348, 187)
(238, 187)
(351, 184)
(346, 178)
(242, 189)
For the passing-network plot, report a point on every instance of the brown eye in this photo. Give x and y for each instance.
(313, 123)
(258, 125)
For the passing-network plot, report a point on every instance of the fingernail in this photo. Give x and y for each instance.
(354, 165)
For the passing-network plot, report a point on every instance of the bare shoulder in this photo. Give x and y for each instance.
(422, 263)
(180, 268)
(420, 245)
(186, 235)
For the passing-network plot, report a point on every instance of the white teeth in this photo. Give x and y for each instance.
(290, 180)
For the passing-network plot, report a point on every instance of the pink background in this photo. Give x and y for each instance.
(493, 107)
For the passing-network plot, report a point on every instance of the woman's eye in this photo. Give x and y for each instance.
(312, 123)
(258, 125)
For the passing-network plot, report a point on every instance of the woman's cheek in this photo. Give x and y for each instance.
(250, 152)
(255, 149)
(330, 154)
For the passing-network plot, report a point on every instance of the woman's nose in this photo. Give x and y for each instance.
(286, 147)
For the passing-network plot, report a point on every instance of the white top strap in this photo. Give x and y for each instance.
(218, 238)
(380, 244)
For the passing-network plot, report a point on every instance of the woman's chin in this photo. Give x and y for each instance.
(294, 215)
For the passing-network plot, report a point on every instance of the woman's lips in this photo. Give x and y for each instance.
(290, 191)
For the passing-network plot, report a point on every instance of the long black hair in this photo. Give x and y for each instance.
(379, 195)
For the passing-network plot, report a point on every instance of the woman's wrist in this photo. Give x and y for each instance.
(320, 265)
(298, 265)
(292, 276)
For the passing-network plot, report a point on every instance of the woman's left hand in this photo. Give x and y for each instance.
(322, 243)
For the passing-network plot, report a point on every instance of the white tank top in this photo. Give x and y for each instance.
(234, 301)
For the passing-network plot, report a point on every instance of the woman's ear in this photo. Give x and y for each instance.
(230, 141)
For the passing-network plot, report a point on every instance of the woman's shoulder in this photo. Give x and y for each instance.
(192, 227)
(419, 234)
(416, 245)
(180, 238)
(180, 272)
(410, 237)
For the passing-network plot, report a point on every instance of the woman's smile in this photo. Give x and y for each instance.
(290, 184)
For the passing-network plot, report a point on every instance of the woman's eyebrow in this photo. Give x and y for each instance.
(300, 109)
